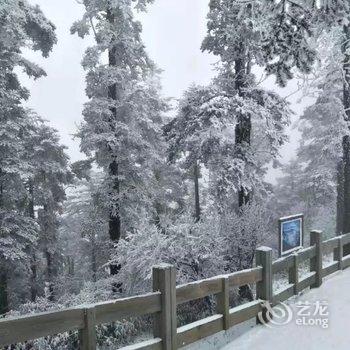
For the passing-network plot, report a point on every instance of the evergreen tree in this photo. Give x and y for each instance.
(48, 174)
(294, 22)
(310, 182)
(21, 26)
(322, 128)
(122, 118)
(198, 133)
(236, 33)
(83, 235)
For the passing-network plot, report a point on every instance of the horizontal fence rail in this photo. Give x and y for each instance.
(166, 296)
(198, 290)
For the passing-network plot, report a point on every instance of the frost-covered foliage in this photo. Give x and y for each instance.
(237, 32)
(273, 34)
(192, 247)
(48, 176)
(243, 233)
(121, 128)
(31, 207)
(322, 126)
(215, 245)
(83, 235)
(310, 180)
(204, 131)
(204, 125)
(22, 26)
(17, 233)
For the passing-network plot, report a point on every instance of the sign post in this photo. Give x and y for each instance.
(291, 234)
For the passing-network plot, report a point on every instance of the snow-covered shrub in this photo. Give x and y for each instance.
(193, 248)
(242, 234)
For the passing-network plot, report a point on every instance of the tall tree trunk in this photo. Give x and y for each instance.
(340, 204)
(196, 191)
(244, 124)
(3, 293)
(93, 259)
(346, 139)
(49, 275)
(3, 274)
(243, 140)
(33, 269)
(93, 264)
(114, 215)
(1, 191)
(70, 262)
(33, 262)
(31, 200)
(340, 198)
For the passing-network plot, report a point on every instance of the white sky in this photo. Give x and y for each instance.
(172, 31)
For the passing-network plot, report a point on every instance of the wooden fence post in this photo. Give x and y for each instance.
(294, 274)
(263, 257)
(87, 335)
(223, 303)
(316, 261)
(165, 322)
(339, 253)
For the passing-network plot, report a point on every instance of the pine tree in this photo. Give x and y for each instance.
(285, 38)
(203, 133)
(236, 33)
(22, 26)
(293, 24)
(198, 133)
(48, 174)
(83, 235)
(322, 128)
(122, 118)
(310, 182)
(322, 16)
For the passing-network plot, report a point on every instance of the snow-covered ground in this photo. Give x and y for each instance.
(335, 292)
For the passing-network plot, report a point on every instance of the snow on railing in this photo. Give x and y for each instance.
(162, 302)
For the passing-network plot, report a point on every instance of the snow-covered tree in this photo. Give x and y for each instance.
(336, 15)
(310, 182)
(273, 34)
(201, 131)
(48, 175)
(293, 23)
(322, 128)
(21, 26)
(236, 32)
(83, 234)
(121, 125)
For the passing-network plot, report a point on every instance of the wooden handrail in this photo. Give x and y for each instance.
(22, 328)
(166, 295)
(128, 307)
(197, 290)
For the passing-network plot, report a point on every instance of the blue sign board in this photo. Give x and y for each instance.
(291, 234)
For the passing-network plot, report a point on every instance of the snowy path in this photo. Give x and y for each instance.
(335, 290)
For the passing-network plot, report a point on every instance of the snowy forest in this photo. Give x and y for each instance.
(162, 180)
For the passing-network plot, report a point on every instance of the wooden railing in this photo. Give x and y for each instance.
(162, 303)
